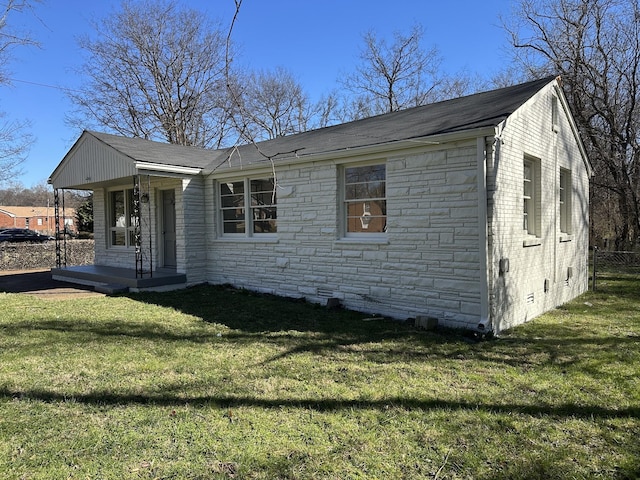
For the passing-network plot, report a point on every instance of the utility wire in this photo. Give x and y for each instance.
(38, 84)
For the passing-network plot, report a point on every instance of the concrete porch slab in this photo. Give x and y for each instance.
(101, 276)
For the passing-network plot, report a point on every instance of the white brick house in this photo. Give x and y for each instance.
(472, 210)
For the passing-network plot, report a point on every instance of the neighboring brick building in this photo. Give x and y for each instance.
(472, 210)
(40, 219)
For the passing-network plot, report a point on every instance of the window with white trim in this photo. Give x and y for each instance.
(564, 198)
(248, 207)
(531, 197)
(365, 199)
(122, 221)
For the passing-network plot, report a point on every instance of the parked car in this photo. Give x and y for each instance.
(22, 235)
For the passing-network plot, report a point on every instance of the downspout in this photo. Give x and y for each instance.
(485, 324)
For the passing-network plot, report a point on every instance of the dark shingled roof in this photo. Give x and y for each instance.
(485, 109)
(141, 150)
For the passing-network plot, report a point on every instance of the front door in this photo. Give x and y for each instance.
(169, 228)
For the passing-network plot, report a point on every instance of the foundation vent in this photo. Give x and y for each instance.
(324, 292)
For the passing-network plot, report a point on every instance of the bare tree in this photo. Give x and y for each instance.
(15, 140)
(595, 46)
(156, 71)
(393, 77)
(274, 104)
(10, 36)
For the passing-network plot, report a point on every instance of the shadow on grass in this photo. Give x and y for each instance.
(321, 405)
(249, 314)
(298, 328)
(254, 312)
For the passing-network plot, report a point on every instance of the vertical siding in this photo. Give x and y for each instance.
(92, 162)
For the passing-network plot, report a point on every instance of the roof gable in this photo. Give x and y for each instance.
(90, 162)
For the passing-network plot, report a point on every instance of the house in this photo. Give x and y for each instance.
(473, 211)
(40, 219)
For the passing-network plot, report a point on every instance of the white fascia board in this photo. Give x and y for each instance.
(574, 128)
(162, 168)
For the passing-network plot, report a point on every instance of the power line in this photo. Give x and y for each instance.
(45, 85)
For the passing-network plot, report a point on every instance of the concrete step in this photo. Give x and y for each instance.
(111, 288)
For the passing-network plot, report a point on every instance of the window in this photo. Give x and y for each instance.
(365, 199)
(531, 197)
(121, 219)
(248, 206)
(39, 222)
(564, 198)
(554, 114)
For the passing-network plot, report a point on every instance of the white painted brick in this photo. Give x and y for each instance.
(431, 262)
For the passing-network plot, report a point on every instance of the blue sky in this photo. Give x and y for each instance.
(317, 40)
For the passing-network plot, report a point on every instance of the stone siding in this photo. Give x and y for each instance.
(428, 263)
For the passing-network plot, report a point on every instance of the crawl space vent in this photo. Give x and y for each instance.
(324, 292)
(530, 299)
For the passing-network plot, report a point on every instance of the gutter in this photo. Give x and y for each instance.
(164, 168)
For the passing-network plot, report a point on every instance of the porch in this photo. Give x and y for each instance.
(117, 280)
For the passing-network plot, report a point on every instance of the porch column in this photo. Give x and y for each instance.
(61, 250)
(142, 205)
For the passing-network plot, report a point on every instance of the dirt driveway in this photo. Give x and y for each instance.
(40, 284)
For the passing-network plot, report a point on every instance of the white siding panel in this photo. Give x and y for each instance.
(91, 162)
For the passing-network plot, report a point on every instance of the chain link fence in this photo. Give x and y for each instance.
(605, 261)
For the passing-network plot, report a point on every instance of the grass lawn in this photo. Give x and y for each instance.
(216, 383)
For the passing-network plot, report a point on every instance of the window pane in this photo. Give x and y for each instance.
(232, 204)
(264, 220)
(118, 237)
(118, 218)
(233, 220)
(528, 186)
(232, 194)
(374, 189)
(263, 205)
(365, 174)
(263, 192)
(236, 226)
(367, 216)
(565, 201)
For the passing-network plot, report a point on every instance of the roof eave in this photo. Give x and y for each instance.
(574, 127)
(365, 150)
(161, 169)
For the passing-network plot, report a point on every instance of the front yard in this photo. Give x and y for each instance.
(218, 383)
